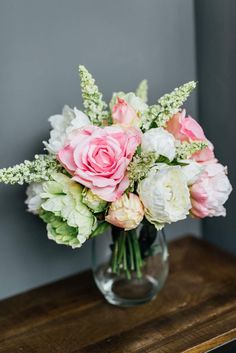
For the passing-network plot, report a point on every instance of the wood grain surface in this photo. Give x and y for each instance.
(194, 312)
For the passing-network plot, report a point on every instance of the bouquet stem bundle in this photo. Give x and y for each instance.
(130, 248)
(126, 253)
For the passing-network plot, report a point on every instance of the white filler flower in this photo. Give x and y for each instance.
(165, 195)
(63, 125)
(160, 141)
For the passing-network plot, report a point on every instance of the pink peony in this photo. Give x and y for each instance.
(210, 191)
(207, 154)
(98, 157)
(124, 114)
(187, 129)
(127, 212)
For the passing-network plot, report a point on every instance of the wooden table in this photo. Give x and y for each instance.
(195, 311)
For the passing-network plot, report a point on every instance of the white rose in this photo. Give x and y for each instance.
(34, 200)
(130, 98)
(192, 171)
(63, 125)
(160, 141)
(165, 195)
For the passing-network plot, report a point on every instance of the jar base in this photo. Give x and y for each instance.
(124, 292)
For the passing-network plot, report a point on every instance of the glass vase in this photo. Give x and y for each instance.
(130, 267)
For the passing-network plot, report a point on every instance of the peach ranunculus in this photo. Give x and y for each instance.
(124, 114)
(210, 191)
(98, 158)
(187, 129)
(127, 212)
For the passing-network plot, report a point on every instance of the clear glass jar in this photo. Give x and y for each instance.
(136, 279)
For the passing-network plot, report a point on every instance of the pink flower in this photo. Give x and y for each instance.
(210, 191)
(187, 129)
(124, 114)
(127, 212)
(207, 154)
(98, 158)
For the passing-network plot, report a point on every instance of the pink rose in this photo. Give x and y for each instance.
(210, 191)
(127, 212)
(124, 114)
(187, 129)
(98, 158)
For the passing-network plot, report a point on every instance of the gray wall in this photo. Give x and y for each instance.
(42, 42)
(216, 49)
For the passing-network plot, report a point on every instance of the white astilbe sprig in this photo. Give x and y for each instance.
(38, 170)
(94, 106)
(142, 91)
(168, 105)
(139, 167)
(186, 149)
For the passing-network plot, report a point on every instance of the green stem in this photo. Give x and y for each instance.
(127, 272)
(131, 253)
(121, 247)
(126, 253)
(137, 255)
(114, 257)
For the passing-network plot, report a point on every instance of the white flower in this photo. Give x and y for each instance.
(165, 195)
(192, 171)
(160, 141)
(34, 200)
(135, 102)
(63, 125)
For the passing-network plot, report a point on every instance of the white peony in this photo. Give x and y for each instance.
(160, 141)
(130, 98)
(63, 125)
(34, 200)
(192, 171)
(165, 195)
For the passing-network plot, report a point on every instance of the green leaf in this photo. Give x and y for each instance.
(101, 228)
(139, 150)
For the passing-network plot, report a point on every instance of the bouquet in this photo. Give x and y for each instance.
(121, 165)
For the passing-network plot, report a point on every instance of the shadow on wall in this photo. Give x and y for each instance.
(216, 57)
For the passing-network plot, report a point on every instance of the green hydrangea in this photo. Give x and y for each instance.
(59, 231)
(94, 202)
(63, 197)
